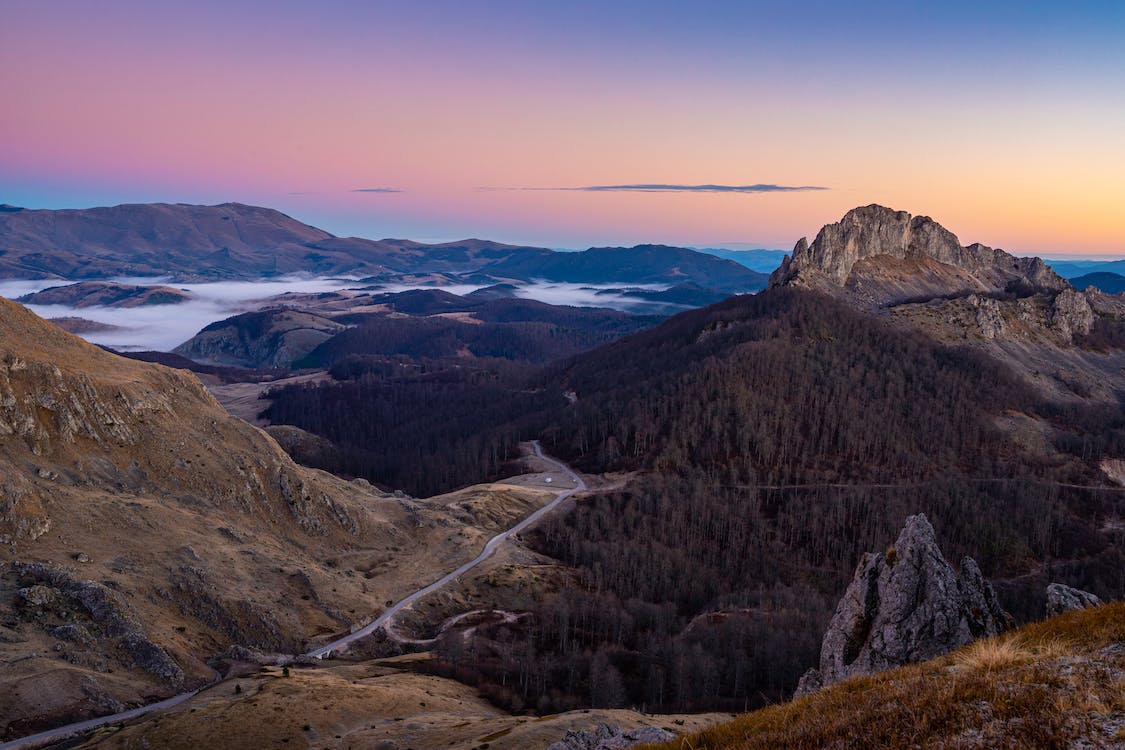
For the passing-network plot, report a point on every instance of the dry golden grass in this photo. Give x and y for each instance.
(1042, 686)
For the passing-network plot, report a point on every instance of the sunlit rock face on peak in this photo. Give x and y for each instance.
(881, 256)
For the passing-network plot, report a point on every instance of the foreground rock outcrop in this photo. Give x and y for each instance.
(1056, 683)
(903, 606)
(610, 737)
(1062, 598)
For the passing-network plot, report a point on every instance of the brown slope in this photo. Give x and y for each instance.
(143, 530)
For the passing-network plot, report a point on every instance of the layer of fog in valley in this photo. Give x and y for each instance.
(163, 327)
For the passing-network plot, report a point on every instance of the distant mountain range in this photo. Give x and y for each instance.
(1070, 269)
(1110, 283)
(236, 241)
(763, 261)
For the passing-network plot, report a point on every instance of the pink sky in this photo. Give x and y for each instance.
(1016, 145)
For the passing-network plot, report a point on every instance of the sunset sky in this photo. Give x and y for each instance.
(1005, 121)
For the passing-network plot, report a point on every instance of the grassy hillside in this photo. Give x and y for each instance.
(1053, 684)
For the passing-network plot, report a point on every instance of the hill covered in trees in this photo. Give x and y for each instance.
(775, 438)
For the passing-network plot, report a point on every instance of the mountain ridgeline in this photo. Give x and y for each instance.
(236, 241)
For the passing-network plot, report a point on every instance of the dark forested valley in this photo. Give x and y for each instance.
(774, 439)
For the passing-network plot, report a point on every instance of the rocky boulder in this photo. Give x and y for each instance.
(610, 737)
(1062, 598)
(1071, 314)
(903, 606)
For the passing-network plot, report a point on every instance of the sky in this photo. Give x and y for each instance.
(573, 124)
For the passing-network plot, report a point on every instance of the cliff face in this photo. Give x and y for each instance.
(883, 256)
(904, 606)
(1064, 342)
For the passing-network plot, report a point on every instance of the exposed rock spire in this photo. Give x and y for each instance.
(903, 606)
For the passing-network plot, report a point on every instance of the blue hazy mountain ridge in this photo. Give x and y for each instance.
(758, 259)
(1106, 281)
(1070, 269)
(236, 241)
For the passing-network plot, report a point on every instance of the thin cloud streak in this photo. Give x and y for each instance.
(667, 188)
(375, 190)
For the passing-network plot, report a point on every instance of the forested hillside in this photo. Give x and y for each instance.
(779, 437)
(776, 438)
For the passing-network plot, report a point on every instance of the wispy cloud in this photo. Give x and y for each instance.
(668, 188)
(376, 190)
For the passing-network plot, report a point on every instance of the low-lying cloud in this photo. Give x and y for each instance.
(376, 190)
(163, 327)
(672, 188)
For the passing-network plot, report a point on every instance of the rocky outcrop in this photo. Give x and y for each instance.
(1072, 314)
(883, 256)
(904, 606)
(50, 595)
(610, 737)
(1062, 598)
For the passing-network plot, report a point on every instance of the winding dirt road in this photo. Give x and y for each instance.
(489, 549)
(340, 644)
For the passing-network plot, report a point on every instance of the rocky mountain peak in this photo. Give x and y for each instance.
(882, 256)
(903, 606)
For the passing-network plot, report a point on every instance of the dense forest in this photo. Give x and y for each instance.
(434, 325)
(776, 439)
(425, 427)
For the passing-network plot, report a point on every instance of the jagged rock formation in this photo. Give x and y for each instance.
(882, 256)
(1064, 342)
(51, 593)
(1062, 598)
(904, 606)
(610, 737)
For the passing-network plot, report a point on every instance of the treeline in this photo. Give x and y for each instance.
(695, 597)
(422, 427)
(776, 438)
(788, 387)
(780, 437)
(427, 403)
(437, 326)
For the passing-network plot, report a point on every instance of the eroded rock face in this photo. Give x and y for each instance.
(53, 594)
(1072, 314)
(886, 256)
(610, 737)
(1062, 598)
(904, 606)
